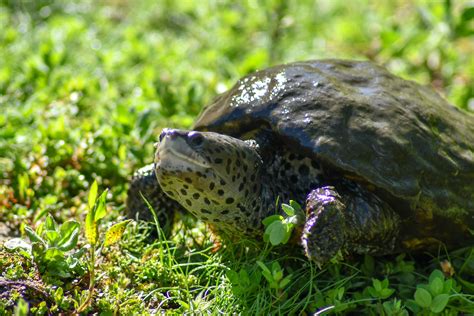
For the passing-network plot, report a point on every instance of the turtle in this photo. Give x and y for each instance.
(381, 164)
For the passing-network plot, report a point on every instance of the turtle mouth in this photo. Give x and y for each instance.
(176, 154)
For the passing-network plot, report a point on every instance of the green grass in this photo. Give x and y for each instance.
(85, 89)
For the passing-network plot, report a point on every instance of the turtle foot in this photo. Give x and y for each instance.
(323, 234)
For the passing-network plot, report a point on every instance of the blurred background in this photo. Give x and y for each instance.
(85, 86)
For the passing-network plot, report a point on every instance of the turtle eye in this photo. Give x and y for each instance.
(195, 138)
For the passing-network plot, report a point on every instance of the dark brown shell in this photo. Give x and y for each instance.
(391, 134)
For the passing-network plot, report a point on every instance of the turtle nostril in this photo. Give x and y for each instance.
(195, 138)
(168, 132)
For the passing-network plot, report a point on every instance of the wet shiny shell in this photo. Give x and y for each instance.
(393, 135)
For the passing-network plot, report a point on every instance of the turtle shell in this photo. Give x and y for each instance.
(391, 134)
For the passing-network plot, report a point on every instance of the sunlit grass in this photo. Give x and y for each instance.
(85, 88)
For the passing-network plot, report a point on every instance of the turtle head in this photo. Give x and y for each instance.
(214, 176)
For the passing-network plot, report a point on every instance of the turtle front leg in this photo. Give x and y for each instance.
(144, 185)
(323, 234)
(356, 222)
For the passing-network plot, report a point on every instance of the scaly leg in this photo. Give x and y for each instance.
(357, 222)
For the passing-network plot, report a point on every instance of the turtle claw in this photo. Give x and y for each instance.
(323, 234)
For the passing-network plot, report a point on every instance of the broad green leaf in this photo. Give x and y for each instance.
(233, 277)
(448, 285)
(424, 286)
(384, 293)
(413, 306)
(53, 254)
(436, 274)
(277, 233)
(388, 307)
(52, 237)
(40, 229)
(377, 285)
(296, 206)
(91, 228)
(59, 267)
(100, 211)
(115, 232)
(244, 277)
(423, 297)
(50, 223)
(32, 235)
(15, 243)
(277, 272)
(439, 303)
(266, 236)
(68, 228)
(92, 195)
(263, 267)
(270, 219)
(373, 293)
(288, 228)
(436, 287)
(69, 232)
(288, 209)
(285, 281)
(268, 277)
(277, 275)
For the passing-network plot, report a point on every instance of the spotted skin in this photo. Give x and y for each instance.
(228, 193)
(225, 182)
(293, 176)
